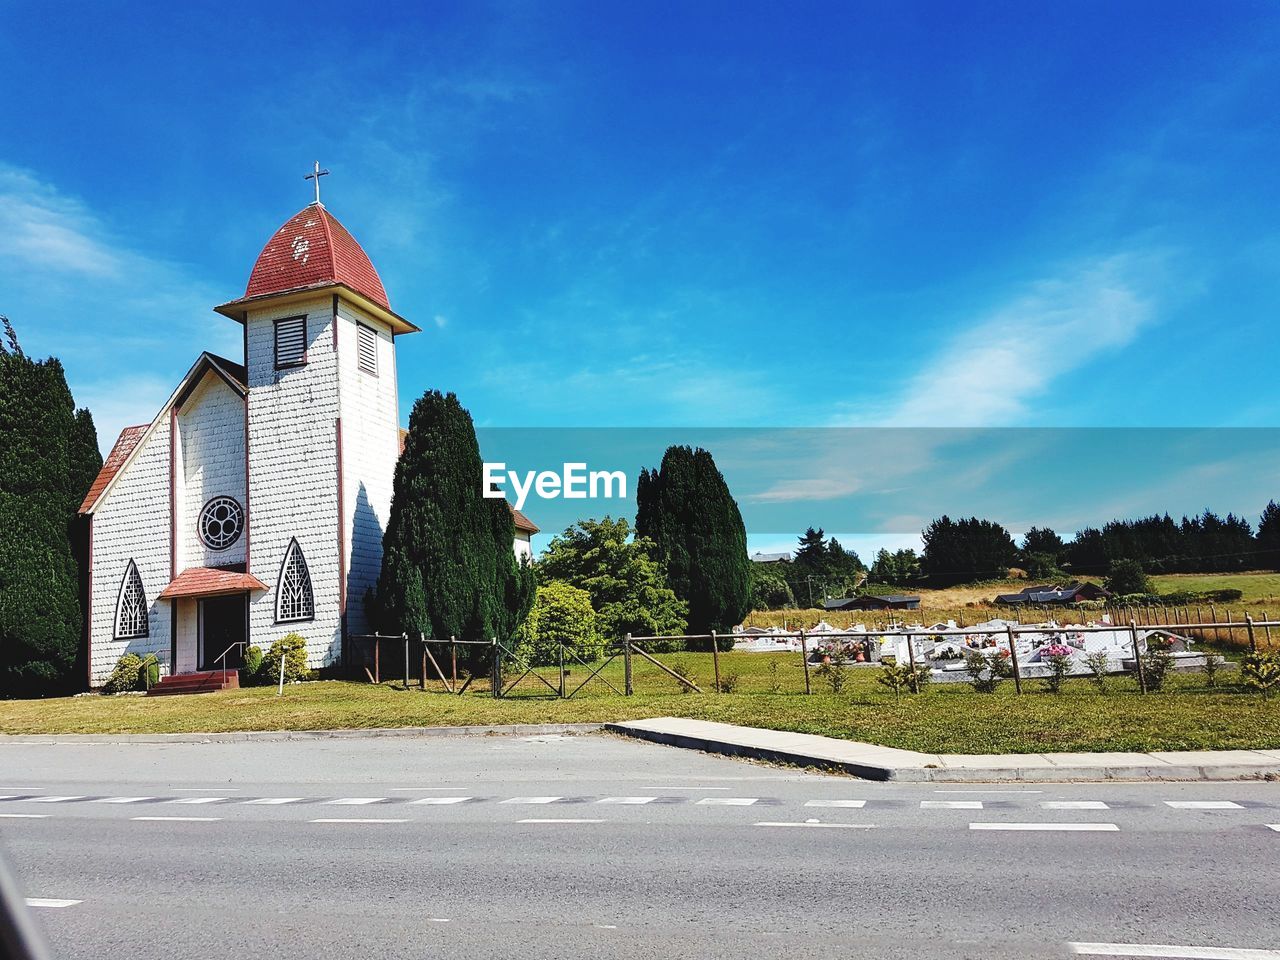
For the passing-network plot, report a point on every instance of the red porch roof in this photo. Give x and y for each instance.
(210, 582)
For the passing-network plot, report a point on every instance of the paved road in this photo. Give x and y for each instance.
(595, 847)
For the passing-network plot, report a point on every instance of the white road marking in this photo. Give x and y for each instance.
(664, 787)
(440, 800)
(206, 789)
(950, 804)
(1170, 950)
(728, 801)
(989, 791)
(1070, 827)
(356, 801)
(837, 826)
(531, 800)
(198, 799)
(52, 799)
(1274, 826)
(1073, 805)
(1203, 805)
(180, 819)
(626, 800)
(836, 803)
(274, 801)
(51, 902)
(437, 919)
(561, 820)
(25, 816)
(358, 820)
(122, 799)
(606, 926)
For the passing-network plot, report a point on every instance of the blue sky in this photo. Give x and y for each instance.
(689, 215)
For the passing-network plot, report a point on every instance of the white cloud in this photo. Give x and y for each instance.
(42, 228)
(988, 374)
(440, 320)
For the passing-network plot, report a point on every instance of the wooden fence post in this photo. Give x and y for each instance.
(422, 637)
(715, 659)
(453, 655)
(626, 665)
(1137, 658)
(1013, 657)
(804, 655)
(1253, 642)
(495, 670)
(377, 657)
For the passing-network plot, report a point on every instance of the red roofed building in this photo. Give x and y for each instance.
(253, 504)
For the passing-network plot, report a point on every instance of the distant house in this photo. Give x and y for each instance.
(783, 557)
(1042, 595)
(884, 601)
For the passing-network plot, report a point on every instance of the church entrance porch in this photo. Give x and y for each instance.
(223, 631)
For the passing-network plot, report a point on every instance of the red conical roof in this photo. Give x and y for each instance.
(313, 249)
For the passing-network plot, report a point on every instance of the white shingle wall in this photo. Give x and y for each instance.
(211, 457)
(293, 471)
(132, 522)
(371, 445)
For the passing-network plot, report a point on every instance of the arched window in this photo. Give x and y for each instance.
(294, 600)
(131, 607)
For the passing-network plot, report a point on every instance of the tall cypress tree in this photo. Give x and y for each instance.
(48, 458)
(686, 508)
(448, 568)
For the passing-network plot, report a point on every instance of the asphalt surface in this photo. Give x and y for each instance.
(598, 847)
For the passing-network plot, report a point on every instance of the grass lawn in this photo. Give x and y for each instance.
(945, 719)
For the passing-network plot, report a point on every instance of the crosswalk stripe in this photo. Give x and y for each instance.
(356, 801)
(838, 826)
(1274, 826)
(1066, 827)
(532, 800)
(626, 800)
(121, 799)
(24, 816)
(51, 902)
(728, 801)
(950, 804)
(198, 799)
(836, 803)
(179, 819)
(1171, 950)
(1203, 805)
(439, 801)
(358, 820)
(560, 820)
(53, 799)
(1073, 805)
(274, 801)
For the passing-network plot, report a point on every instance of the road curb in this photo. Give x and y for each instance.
(941, 773)
(241, 736)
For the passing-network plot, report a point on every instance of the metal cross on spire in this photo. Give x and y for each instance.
(316, 175)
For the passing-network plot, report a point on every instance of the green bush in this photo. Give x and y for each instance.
(986, 672)
(1261, 672)
(562, 615)
(251, 672)
(1157, 662)
(126, 676)
(293, 648)
(1098, 664)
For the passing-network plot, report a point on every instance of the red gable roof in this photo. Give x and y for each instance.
(125, 443)
(313, 250)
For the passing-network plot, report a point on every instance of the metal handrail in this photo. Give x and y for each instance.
(223, 658)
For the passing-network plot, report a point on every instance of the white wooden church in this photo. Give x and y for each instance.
(253, 504)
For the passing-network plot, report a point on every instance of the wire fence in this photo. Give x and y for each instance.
(769, 662)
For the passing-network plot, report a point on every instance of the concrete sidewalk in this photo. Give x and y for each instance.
(872, 762)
